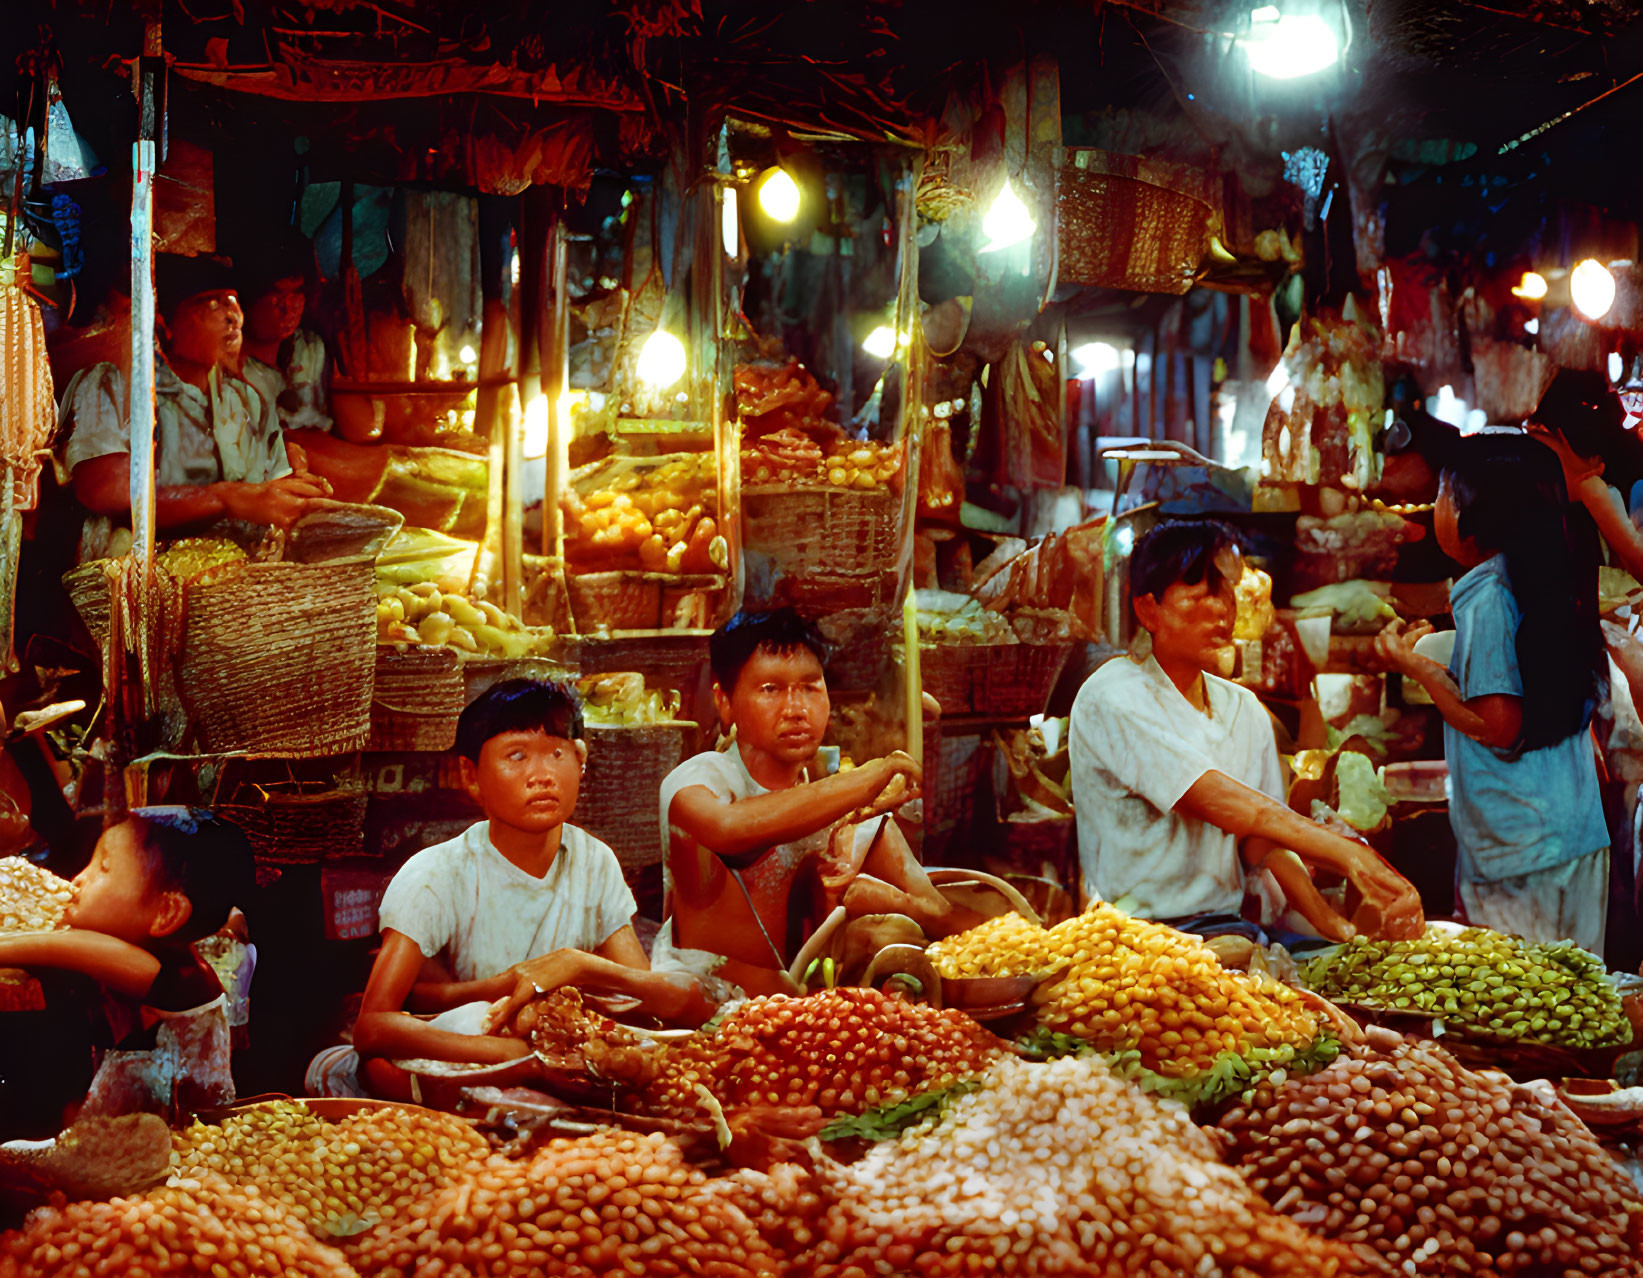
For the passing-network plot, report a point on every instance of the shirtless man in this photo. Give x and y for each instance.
(747, 827)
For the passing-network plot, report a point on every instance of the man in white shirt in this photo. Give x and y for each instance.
(520, 903)
(1175, 771)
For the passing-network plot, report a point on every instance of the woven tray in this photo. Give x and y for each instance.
(620, 801)
(831, 532)
(1005, 679)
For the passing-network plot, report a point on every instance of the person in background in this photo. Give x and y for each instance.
(219, 451)
(1584, 422)
(745, 828)
(1517, 698)
(1176, 779)
(521, 903)
(158, 882)
(283, 360)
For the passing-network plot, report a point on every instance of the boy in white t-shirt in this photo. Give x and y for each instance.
(521, 902)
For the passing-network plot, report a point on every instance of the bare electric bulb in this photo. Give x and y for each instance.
(1592, 288)
(779, 195)
(661, 360)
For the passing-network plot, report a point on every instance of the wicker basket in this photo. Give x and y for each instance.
(620, 801)
(858, 640)
(417, 699)
(299, 822)
(1010, 680)
(1124, 221)
(959, 767)
(614, 600)
(279, 659)
(827, 532)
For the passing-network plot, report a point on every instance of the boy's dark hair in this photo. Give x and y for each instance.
(197, 853)
(518, 705)
(781, 630)
(1179, 550)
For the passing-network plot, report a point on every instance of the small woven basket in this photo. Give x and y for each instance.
(620, 801)
(1010, 680)
(299, 822)
(614, 600)
(831, 532)
(417, 699)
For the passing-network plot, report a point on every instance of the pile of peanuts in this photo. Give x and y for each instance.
(612, 1202)
(844, 1051)
(1061, 1168)
(195, 1225)
(1130, 984)
(31, 899)
(336, 1178)
(1429, 1168)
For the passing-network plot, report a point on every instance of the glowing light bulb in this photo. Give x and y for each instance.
(779, 195)
(1095, 358)
(536, 427)
(1532, 287)
(730, 227)
(1289, 46)
(1007, 222)
(1592, 288)
(881, 342)
(661, 360)
(468, 355)
(1617, 366)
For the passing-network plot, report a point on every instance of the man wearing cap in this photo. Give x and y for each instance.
(219, 451)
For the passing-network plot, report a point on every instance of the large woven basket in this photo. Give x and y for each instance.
(828, 532)
(299, 823)
(1129, 222)
(1005, 679)
(621, 794)
(279, 659)
(417, 699)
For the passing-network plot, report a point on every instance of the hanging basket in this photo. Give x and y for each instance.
(1008, 680)
(299, 822)
(620, 801)
(1124, 221)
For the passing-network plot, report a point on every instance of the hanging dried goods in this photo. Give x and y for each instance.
(1429, 1168)
(1483, 981)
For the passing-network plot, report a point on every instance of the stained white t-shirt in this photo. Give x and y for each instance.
(466, 903)
(1137, 746)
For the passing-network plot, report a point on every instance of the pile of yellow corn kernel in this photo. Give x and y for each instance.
(1130, 984)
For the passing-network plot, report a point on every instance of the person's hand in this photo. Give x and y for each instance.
(280, 502)
(1391, 908)
(1395, 645)
(536, 977)
(898, 763)
(1576, 469)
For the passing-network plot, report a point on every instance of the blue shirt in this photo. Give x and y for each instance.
(1511, 816)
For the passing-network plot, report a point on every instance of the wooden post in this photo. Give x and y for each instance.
(140, 404)
(555, 384)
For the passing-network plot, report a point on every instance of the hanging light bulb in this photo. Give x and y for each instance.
(468, 355)
(1095, 358)
(1532, 287)
(779, 195)
(535, 442)
(661, 360)
(1008, 221)
(881, 342)
(1287, 46)
(730, 227)
(1592, 288)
